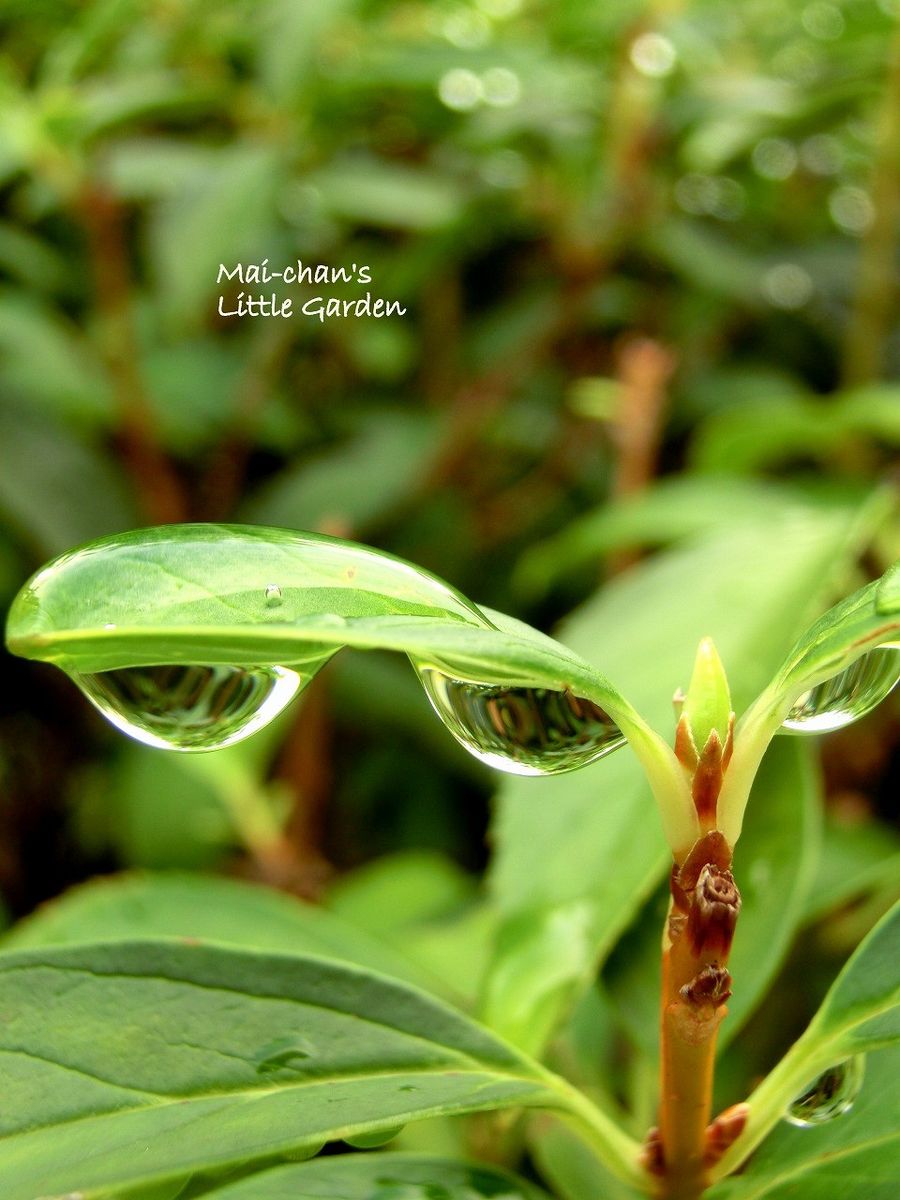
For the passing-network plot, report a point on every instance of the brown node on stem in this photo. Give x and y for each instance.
(723, 1131)
(709, 988)
(714, 912)
(651, 1157)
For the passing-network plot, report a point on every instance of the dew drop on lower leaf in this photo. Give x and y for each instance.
(526, 731)
(374, 1138)
(847, 696)
(273, 596)
(829, 1095)
(189, 707)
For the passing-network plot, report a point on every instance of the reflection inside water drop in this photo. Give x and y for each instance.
(190, 707)
(829, 1095)
(527, 731)
(847, 696)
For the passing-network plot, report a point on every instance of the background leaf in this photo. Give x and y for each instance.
(588, 842)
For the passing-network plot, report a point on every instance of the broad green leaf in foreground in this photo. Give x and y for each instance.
(127, 1064)
(367, 1176)
(860, 1013)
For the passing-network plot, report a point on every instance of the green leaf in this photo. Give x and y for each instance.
(209, 1059)
(224, 214)
(79, 493)
(147, 905)
(853, 1157)
(671, 510)
(367, 1176)
(860, 1013)
(833, 643)
(50, 363)
(858, 857)
(389, 195)
(198, 594)
(567, 1164)
(428, 908)
(350, 486)
(591, 839)
(772, 430)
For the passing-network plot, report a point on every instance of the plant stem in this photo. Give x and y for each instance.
(696, 984)
(157, 486)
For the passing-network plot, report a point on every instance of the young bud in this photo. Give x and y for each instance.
(704, 735)
(707, 705)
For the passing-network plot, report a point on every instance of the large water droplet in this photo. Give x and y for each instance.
(527, 731)
(188, 707)
(847, 696)
(829, 1095)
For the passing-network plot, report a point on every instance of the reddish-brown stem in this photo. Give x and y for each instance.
(696, 984)
(158, 488)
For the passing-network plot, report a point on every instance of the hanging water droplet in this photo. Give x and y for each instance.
(847, 696)
(829, 1095)
(284, 1053)
(373, 1139)
(274, 596)
(527, 731)
(189, 707)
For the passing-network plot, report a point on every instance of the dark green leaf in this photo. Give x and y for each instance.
(207, 1058)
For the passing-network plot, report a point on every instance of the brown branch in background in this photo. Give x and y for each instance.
(876, 287)
(159, 491)
(644, 370)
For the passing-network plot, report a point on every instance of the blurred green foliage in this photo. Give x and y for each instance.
(647, 255)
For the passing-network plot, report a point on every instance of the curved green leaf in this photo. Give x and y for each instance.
(198, 594)
(860, 1013)
(368, 1176)
(859, 623)
(133, 1063)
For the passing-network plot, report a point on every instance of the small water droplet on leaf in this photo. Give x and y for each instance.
(374, 1138)
(830, 1094)
(847, 696)
(189, 707)
(526, 731)
(273, 596)
(284, 1053)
